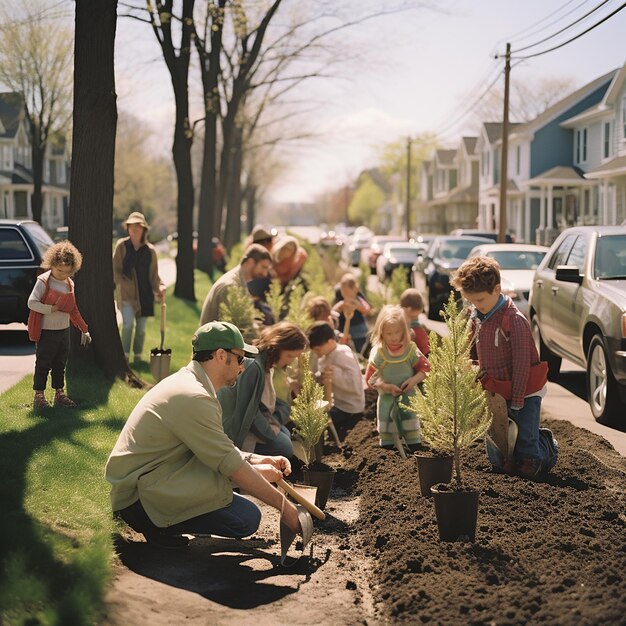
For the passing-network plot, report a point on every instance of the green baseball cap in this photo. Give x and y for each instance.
(223, 335)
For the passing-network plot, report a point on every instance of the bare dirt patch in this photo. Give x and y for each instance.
(550, 552)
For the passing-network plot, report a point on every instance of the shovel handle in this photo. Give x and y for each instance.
(309, 506)
(163, 315)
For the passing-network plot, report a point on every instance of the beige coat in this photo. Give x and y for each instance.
(126, 289)
(172, 453)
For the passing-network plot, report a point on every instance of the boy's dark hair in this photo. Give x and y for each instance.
(320, 333)
(412, 299)
(477, 274)
(257, 253)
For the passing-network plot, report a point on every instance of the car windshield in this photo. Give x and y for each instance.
(517, 259)
(457, 249)
(39, 235)
(610, 259)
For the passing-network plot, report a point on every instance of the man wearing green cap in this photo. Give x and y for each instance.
(172, 466)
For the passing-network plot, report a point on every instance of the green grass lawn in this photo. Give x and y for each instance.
(56, 529)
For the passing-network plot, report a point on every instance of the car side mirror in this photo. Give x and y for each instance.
(568, 274)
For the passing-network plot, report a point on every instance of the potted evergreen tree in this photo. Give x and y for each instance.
(453, 413)
(310, 416)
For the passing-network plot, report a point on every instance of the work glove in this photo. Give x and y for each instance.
(85, 339)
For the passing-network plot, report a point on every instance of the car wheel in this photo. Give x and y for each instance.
(602, 391)
(553, 361)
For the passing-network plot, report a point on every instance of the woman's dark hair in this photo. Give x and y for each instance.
(278, 338)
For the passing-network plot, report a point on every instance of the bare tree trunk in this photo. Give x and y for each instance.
(161, 17)
(38, 155)
(232, 234)
(210, 66)
(250, 198)
(91, 190)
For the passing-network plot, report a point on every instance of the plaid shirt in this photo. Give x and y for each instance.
(495, 348)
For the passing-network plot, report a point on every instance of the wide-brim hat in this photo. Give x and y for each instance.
(136, 218)
(225, 335)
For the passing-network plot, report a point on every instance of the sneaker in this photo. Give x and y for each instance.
(60, 399)
(40, 403)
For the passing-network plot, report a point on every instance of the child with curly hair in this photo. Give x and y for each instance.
(395, 368)
(52, 307)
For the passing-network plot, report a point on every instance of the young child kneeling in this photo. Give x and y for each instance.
(338, 364)
(509, 365)
(395, 368)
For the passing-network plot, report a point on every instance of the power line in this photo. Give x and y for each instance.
(558, 32)
(545, 26)
(584, 32)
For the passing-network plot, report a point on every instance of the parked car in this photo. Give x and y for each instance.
(398, 255)
(518, 262)
(578, 312)
(351, 252)
(22, 245)
(370, 254)
(431, 274)
(476, 232)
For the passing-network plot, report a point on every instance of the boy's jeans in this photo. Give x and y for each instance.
(533, 442)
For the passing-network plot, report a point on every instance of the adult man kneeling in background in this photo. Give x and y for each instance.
(172, 466)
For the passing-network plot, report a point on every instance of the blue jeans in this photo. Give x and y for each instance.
(239, 519)
(341, 417)
(128, 321)
(281, 446)
(532, 442)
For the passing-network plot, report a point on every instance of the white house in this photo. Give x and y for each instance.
(16, 180)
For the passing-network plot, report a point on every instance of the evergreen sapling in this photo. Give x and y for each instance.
(308, 411)
(452, 407)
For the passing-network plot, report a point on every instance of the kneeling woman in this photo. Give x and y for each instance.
(254, 418)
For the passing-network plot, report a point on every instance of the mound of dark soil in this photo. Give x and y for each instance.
(552, 551)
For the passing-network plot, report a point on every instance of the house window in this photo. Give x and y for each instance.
(61, 172)
(518, 159)
(624, 117)
(7, 160)
(485, 162)
(606, 150)
(581, 146)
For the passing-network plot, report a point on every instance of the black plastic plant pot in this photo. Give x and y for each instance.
(457, 513)
(323, 480)
(433, 470)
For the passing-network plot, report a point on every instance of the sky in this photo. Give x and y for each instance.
(416, 73)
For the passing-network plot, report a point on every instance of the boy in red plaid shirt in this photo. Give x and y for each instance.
(509, 365)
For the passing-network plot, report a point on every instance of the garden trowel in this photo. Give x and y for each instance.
(287, 535)
(503, 430)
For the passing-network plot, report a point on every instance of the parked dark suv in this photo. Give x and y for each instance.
(431, 272)
(577, 308)
(22, 244)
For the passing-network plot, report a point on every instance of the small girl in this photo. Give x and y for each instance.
(52, 306)
(351, 305)
(395, 367)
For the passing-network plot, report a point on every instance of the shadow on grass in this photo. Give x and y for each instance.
(234, 573)
(36, 585)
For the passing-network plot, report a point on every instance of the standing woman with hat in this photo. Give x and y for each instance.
(137, 282)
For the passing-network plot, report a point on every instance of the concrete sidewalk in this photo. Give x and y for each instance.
(560, 404)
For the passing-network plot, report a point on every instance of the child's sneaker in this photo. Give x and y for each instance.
(39, 402)
(60, 399)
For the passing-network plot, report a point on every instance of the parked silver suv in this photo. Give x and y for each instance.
(577, 308)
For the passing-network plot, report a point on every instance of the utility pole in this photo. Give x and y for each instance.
(504, 175)
(407, 210)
